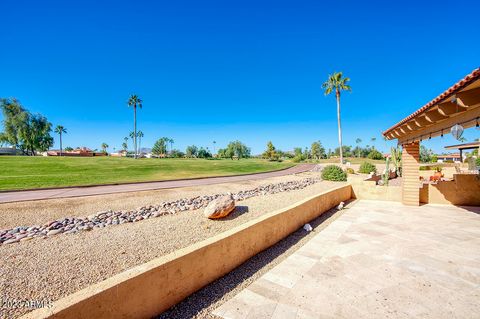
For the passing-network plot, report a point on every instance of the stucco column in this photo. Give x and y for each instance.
(410, 174)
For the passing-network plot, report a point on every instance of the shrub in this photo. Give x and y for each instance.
(350, 170)
(297, 159)
(477, 161)
(376, 155)
(333, 173)
(367, 168)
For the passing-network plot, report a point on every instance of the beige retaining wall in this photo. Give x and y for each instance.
(151, 288)
(370, 190)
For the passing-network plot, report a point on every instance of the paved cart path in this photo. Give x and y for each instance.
(17, 196)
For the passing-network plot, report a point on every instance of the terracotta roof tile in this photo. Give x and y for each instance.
(473, 76)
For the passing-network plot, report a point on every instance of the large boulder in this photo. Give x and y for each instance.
(220, 207)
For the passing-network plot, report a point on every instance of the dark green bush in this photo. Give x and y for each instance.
(376, 155)
(334, 173)
(367, 168)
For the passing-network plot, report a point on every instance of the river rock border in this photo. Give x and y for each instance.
(71, 225)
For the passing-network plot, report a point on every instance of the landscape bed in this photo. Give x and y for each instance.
(86, 258)
(23, 172)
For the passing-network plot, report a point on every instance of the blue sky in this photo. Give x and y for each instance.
(226, 70)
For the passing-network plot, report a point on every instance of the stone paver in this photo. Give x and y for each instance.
(378, 260)
(17, 196)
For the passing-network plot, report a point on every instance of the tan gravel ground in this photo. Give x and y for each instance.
(38, 212)
(57, 266)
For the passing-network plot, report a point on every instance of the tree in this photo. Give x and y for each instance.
(214, 142)
(160, 146)
(23, 130)
(171, 141)
(68, 149)
(270, 153)
(317, 151)
(135, 101)
(374, 154)
(140, 136)
(60, 130)
(203, 153)
(338, 84)
(238, 149)
(191, 151)
(346, 151)
(425, 154)
(104, 147)
(373, 139)
(176, 154)
(358, 141)
(125, 146)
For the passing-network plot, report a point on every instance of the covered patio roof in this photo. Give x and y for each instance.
(459, 104)
(466, 146)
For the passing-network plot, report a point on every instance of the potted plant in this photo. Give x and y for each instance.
(438, 173)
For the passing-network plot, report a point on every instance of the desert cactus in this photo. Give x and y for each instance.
(396, 155)
(386, 175)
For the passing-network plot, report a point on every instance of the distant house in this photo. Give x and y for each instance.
(455, 157)
(79, 152)
(8, 151)
(121, 153)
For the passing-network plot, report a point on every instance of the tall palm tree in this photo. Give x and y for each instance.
(214, 142)
(373, 139)
(135, 101)
(104, 147)
(60, 130)
(338, 84)
(140, 135)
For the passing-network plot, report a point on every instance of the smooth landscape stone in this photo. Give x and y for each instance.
(11, 241)
(54, 232)
(220, 207)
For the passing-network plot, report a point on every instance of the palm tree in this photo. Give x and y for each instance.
(60, 130)
(140, 135)
(171, 141)
(358, 141)
(338, 84)
(214, 142)
(373, 139)
(132, 136)
(135, 101)
(104, 147)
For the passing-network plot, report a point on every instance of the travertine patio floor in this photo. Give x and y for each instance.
(378, 260)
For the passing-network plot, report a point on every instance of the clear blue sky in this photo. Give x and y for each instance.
(225, 70)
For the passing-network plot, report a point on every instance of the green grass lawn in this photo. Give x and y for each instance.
(23, 172)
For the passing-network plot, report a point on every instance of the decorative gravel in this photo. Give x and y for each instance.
(72, 225)
(63, 264)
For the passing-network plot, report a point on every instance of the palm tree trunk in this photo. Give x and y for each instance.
(61, 149)
(339, 127)
(135, 130)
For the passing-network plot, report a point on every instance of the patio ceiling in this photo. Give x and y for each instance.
(460, 104)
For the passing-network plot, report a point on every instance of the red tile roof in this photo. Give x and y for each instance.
(467, 80)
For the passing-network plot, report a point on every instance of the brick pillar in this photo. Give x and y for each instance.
(410, 174)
